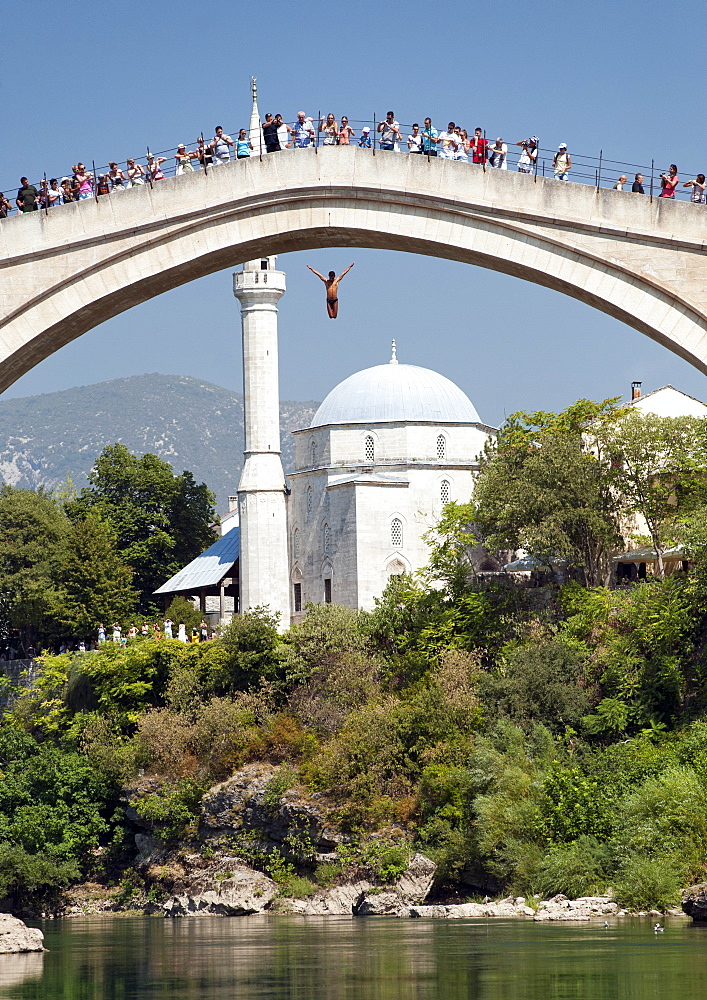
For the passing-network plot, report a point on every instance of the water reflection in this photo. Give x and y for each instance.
(16, 969)
(290, 958)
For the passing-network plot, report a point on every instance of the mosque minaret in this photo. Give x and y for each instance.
(264, 573)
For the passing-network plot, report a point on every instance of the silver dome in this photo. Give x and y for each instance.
(393, 393)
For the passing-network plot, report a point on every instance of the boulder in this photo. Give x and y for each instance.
(458, 911)
(694, 902)
(411, 889)
(341, 900)
(436, 911)
(364, 899)
(17, 936)
(240, 804)
(583, 908)
(233, 890)
(382, 904)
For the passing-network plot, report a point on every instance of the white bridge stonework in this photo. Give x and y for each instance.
(64, 272)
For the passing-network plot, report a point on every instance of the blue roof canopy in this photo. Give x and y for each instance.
(209, 568)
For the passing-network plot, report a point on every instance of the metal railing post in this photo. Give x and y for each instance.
(601, 154)
(652, 171)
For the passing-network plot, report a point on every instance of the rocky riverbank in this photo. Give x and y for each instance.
(260, 846)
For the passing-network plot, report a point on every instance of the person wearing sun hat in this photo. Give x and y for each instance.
(365, 139)
(562, 163)
(183, 160)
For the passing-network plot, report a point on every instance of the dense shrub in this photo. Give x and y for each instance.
(174, 807)
(579, 868)
(56, 809)
(645, 883)
(548, 682)
(253, 654)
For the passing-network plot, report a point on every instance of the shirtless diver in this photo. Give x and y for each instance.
(332, 289)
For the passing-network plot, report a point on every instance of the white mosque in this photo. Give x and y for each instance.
(385, 451)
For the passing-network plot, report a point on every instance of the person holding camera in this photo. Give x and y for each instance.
(389, 133)
(220, 146)
(669, 182)
(529, 154)
(270, 134)
(698, 189)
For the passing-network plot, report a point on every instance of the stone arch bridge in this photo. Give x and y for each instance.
(639, 260)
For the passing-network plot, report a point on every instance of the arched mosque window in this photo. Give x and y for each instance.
(444, 491)
(396, 533)
(441, 446)
(370, 448)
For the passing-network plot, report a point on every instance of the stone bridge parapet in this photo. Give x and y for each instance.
(638, 259)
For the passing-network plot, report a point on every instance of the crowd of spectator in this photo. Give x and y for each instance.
(452, 143)
(156, 630)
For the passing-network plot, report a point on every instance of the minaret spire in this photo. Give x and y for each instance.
(255, 133)
(394, 356)
(263, 565)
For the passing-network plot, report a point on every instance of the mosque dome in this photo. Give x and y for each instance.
(394, 393)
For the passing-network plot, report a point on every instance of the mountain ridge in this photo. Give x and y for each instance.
(190, 423)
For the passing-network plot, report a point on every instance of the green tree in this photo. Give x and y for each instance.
(658, 466)
(251, 653)
(452, 542)
(543, 488)
(160, 520)
(96, 584)
(33, 534)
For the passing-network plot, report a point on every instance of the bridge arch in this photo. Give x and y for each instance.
(63, 273)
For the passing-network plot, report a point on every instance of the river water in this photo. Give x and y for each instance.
(339, 958)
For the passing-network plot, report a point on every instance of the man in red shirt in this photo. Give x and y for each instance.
(479, 147)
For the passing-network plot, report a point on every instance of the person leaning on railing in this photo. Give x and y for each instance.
(183, 160)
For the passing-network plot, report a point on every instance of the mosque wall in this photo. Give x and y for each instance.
(350, 445)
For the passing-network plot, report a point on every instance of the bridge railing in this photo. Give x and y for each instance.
(596, 171)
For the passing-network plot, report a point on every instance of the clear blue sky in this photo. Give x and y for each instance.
(105, 81)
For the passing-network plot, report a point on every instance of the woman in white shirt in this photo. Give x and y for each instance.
(698, 189)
